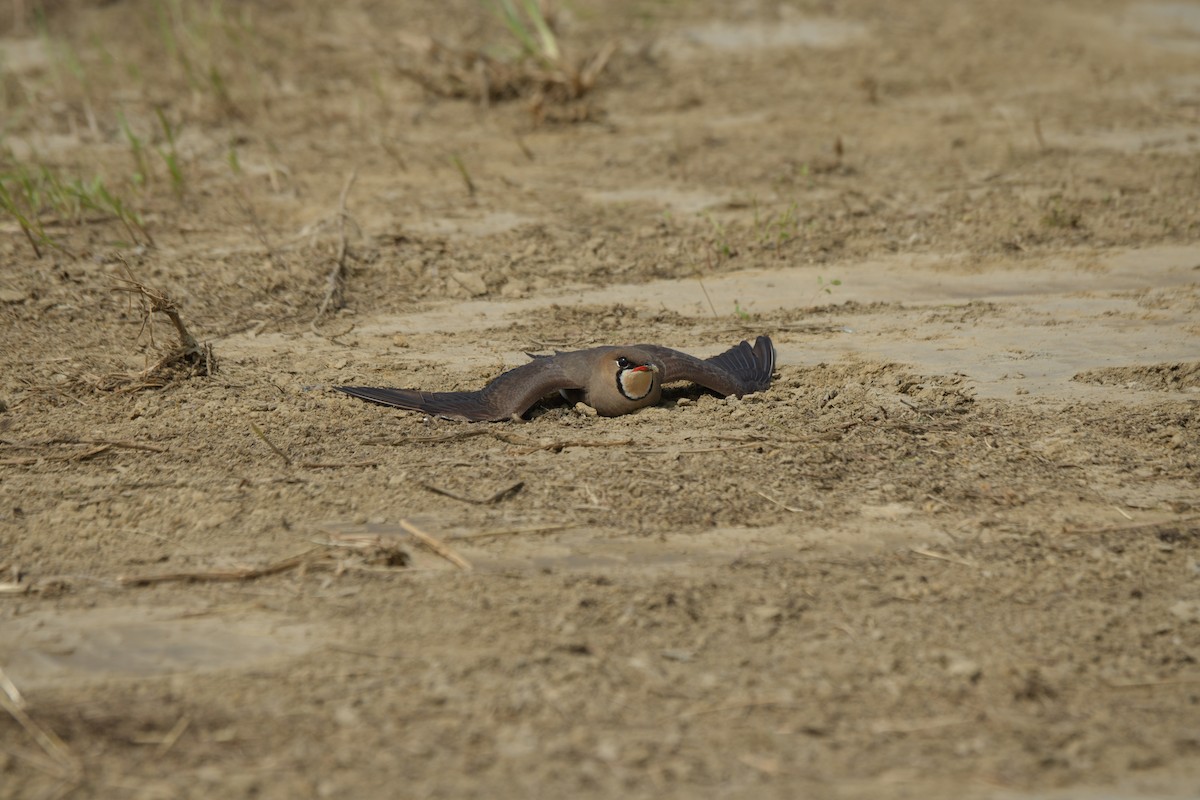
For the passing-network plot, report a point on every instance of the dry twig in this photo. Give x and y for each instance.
(335, 282)
(556, 446)
(511, 532)
(306, 558)
(496, 497)
(1143, 526)
(28, 461)
(190, 358)
(12, 701)
(436, 545)
(337, 464)
(920, 551)
(784, 506)
(258, 432)
(530, 445)
(71, 440)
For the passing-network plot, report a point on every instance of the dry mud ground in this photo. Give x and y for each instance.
(954, 551)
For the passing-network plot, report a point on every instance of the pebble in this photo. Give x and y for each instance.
(964, 668)
(1186, 610)
(514, 289)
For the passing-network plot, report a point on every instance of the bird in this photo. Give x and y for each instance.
(613, 380)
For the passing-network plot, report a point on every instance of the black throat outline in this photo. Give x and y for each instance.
(621, 385)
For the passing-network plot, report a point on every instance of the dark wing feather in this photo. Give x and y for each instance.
(753, 365)
(511, 394)
(740, 370)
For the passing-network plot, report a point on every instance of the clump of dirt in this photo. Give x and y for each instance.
(1161, 377)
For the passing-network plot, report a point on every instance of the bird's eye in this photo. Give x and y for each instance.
(623, 362)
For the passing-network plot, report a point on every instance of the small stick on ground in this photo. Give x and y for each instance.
(436, 545)
(941, 557)
(449, 437)
(1129, 528)
(239, 574)
(258, 432)
(784, 506)
(173, 736)
(112, 443)
(507, 491)
(259, 232)
(335, 282)
(555, 446)
(885, 727)
(508, 438)
(466, 176)
(692, 451)
(511, 532)
(29, 461)
(1151, 684)
(14, 704)
(105, 443)
(337, 464)
(748, 705)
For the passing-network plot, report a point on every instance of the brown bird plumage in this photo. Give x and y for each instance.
(612, 380)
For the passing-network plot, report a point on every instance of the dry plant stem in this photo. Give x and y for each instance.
(243, 574)
(472, 74)
(93, 442)
(29, 461)
(113, 443)
(337, 464)
(1153, 684)
(1127, 528)
(744, 706)
(673, 451)
(884, 727)
(190, 351)
(381, 539)
(258, 432)
(511, 532)
(940, 557)
(559, 446)
(455, 436)
(259, 232)
(436, 545)
(173, 736)
(318, 557)
(784, 506)
(53, 746)
(508, 438)
(507, 491)
(554, 446)
(589, 74)
(335, 283)
(37, 251)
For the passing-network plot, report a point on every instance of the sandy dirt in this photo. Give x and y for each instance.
(953, 552)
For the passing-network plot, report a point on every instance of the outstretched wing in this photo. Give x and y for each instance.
(511, 394)
(740, 370)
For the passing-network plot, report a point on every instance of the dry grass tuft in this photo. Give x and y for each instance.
(189, 359)
(533, 66)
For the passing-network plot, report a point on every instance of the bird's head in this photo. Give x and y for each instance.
(636, 376)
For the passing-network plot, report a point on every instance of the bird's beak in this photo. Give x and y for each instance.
(645, 368)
